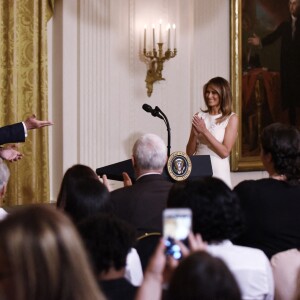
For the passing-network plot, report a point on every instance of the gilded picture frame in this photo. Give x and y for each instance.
(256, 86)
(239, 162)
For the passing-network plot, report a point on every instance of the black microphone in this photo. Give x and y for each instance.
(147, 108)
(154, 112)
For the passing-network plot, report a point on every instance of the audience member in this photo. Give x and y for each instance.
(72, 175)
(42, 257)
(86, 198)
(83, 195)
(4, 177)
(108, 241)
(217, 217)
(271, 205)
(286, 271)
(202, 276)
(142, 203)
(160, 269)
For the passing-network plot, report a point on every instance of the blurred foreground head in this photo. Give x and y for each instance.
(42, 257)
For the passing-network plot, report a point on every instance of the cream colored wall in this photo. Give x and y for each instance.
(96, 76)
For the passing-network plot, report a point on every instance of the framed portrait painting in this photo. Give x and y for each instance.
(265, 72)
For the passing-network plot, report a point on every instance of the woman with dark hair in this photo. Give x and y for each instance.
(271, 205)
(70, 179)
(85, 198)
(214, 130)
(202, 276)
(217, 216)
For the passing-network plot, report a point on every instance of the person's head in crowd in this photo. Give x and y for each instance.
(280, 152)
(71, 176)
(4, 177)
(217, 215)
(42, 257)
(221, 87)
(87, 197)
(149, 154)
(202, 276)
(108, 240)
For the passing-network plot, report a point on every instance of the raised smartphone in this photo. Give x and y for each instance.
(177, 224)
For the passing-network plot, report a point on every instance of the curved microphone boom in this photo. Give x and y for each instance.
(156, 112)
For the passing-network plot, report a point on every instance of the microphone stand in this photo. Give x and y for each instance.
(157, 109)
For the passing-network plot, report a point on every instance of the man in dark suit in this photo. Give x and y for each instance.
(16, 133)
(142, 203)
(289, 32)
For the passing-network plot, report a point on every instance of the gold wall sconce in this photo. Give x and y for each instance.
(158, 57)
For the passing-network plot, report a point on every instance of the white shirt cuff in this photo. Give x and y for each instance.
(25, 129)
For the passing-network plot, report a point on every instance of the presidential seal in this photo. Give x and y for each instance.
(179, 166)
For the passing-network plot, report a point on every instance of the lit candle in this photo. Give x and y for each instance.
(174, 27)
(169, 26)
(145, 35)
(153, 26)
(160, 39)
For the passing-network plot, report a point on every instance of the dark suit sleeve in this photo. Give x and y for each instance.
(12, 133)
(275, 35)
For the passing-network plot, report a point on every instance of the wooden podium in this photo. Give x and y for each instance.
(201, 167)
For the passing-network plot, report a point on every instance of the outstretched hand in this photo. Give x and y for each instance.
(33, 123)
(10, 153)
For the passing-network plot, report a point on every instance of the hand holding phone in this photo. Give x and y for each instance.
(177, 224)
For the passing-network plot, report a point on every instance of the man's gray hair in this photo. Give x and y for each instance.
(150, 152)
(4, 174)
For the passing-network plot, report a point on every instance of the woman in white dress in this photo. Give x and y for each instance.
(214, 130)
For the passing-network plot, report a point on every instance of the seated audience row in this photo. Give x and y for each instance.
(82, 195)
(217, 217)
(223, 271)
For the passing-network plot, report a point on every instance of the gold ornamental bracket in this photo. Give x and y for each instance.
(157, 58)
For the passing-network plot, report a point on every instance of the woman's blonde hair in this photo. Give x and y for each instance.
(222, 87)
(44, 257)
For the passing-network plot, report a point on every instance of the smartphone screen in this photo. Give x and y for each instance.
(177, 224)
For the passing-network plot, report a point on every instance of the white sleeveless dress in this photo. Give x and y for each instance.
(220, 166)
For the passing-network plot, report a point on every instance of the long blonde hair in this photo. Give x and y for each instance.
(44, 257)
